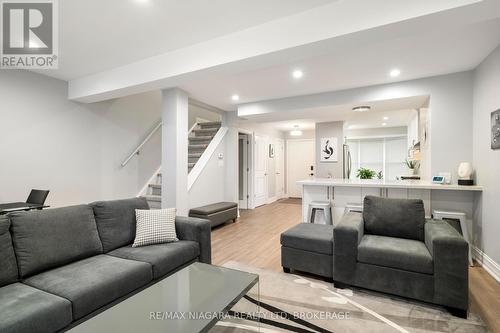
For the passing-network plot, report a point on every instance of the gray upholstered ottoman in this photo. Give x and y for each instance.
(308, 248)
(217, 213)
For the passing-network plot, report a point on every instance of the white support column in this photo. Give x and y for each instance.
(231, 181)
(174, 158)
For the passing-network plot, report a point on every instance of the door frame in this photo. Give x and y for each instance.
(266, 137)
(244, 203)
(281, 195)
(250, 163)
(287, 166)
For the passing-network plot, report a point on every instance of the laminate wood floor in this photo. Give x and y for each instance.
(255, 240)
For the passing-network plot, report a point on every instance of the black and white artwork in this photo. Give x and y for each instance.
(329, 151)
(271, 150)
(495, 129)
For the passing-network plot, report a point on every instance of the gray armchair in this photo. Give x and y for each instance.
(392, 248)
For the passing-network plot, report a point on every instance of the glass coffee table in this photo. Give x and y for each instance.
(193, 299)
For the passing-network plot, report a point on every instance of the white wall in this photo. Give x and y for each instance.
(197, 110)
(378, 132)
(487, 161)
(333, 129)
(74, 150)
(450, 111)
(209, 187)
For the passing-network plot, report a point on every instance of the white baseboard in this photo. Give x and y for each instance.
(271, 200)
(489, 265)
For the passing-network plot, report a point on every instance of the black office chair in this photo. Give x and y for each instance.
(37, 197)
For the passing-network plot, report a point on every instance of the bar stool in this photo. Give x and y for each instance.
(325, 206)
(459, 217)
(353, 207)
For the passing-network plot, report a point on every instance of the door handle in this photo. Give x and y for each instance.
(278, 173)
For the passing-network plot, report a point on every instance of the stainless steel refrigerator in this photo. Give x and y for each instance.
(346, 160)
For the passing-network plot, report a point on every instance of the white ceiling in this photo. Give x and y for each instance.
(340, 44)
(97, 35)
(351, 65)
(214, 49)
(398, 111)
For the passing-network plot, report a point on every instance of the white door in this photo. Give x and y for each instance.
(280, 168)
(260, 170)
(300, 157)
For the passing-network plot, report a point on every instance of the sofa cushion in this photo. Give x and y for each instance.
(8, 264)
(405, 254)
(403, 218)
(213, 208)
(93, 282)
(24, 309)
(54, 237)
(163, 257)
(309, 237)
(116, 221)
(155, 226)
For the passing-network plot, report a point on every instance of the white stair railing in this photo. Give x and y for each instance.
(138, 149)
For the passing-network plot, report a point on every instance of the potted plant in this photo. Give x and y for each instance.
(413, 166)
(364, 173)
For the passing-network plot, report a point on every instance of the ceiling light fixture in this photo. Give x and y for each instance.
(386, 118)
(395, 72)
(362, 108)
(297, 74)
(296, 131)
(384, 124)
(235, 98)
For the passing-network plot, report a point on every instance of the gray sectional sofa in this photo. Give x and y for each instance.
(61, 266)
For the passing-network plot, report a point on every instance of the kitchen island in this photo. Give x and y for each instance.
(344, 192)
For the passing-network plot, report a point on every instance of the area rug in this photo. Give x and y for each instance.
(295, 303)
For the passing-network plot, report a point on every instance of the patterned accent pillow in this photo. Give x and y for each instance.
(155, 226)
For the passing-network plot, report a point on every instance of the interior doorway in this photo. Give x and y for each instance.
(300, 159)
(243, 170)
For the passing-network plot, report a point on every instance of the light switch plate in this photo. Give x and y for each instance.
(495, 129)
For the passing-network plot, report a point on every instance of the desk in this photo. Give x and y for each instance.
(18, 206)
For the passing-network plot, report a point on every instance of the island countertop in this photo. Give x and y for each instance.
(380, 183)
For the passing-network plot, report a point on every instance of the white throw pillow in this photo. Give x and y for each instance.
(154, 226)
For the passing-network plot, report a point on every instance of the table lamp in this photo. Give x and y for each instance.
(465, 174)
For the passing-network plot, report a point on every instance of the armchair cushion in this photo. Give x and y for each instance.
(401, 218)
(400, 253)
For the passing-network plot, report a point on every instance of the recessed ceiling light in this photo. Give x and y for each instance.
(384, 124)
(362, 108)
(296, 131)
(142, 1)
(297, 74)
(395, 72)
(386, 118)
(235, 98)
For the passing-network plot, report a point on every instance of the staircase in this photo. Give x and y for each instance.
(153, 195)
(199, 139)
